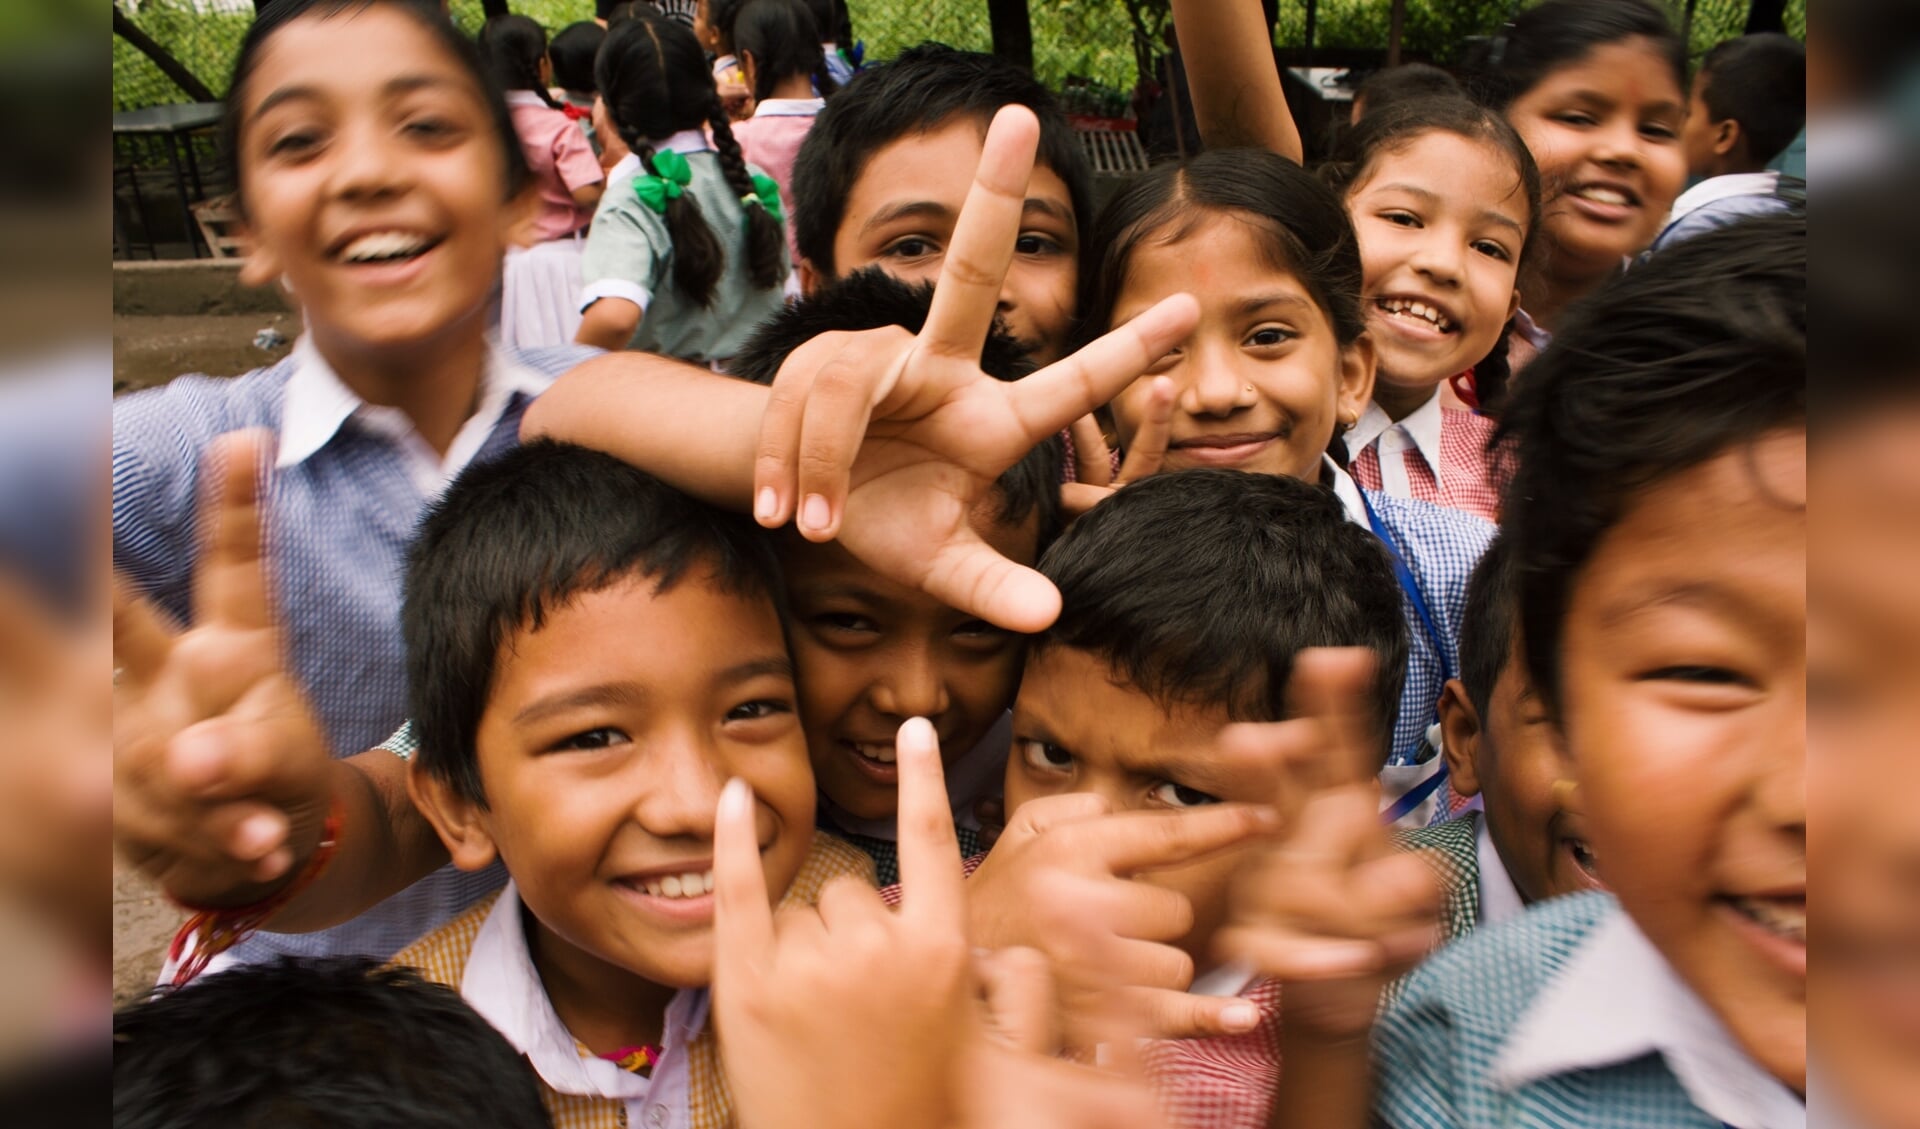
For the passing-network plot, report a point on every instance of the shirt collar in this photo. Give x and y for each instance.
(1618, 999)
(504, 987)
(1422, 425)
(1716, 188)
(686, 141)
(623, 169)
(1499, 898)
(789, 107)
(1345, 489)
(526, 98)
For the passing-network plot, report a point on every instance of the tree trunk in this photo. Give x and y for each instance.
(189, 84)
(1012, 31)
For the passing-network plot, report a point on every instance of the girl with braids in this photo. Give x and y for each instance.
(540, 285)
(779, 48)
(686, 254)
(1445, 202)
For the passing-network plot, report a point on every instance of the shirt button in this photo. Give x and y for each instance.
(657, 1116)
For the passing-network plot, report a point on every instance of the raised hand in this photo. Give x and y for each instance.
(1093, 460)
(887, 440)
(221, 774)
(1060, 880)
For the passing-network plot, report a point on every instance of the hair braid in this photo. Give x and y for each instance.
(697, 254)
(1491, 374)
(764, 235)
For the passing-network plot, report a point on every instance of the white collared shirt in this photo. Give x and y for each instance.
(1345, 489)
(1499, 898)
(789, 107)
(1419, 431)
(504, 987)
(1618, 999)
(318, 404)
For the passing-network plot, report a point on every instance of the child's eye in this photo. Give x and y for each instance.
(912, 247)
(1575, 119)
(1401, 219)
(1701, 675)
(1035, 245)
(1269, 336)
(1180, 796)
(294, 144)
(431, 129)
(979, 631)
(1659, 131)
(1492, 250)
(1045, 756)
(601, 738)
(759, 709)
(845, 621)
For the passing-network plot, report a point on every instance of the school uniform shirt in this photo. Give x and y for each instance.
(349, 482)
(630, 255)
(484, 955)
(838, 68)
(1565, 1018)
(977, 775)
(562, 161)
(1527, 340)
(1436, 454)
(771, 139)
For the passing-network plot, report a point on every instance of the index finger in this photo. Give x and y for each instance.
(230, 583)
(742, 911)
(141, 640)
(1329, 684)
(932, 889)
(968, 291)
(1134, 841)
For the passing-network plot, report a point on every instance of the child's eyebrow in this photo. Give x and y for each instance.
(1487, 215)
(394, 88)
(1260, 302)
(1052, 209)
(606, 694)
(908, 209)
(771, 665)
(1702, 595)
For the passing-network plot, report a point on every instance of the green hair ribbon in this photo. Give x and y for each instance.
(674, 175)
(765, 194)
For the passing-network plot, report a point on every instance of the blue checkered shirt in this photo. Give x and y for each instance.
(338, 523)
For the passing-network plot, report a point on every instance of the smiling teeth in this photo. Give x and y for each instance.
(1786, 919)
(680, 885)
(383, 245)
(1601, 195)
(882, 753)
(1420, 310)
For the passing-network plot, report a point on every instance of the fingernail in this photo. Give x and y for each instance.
(1240, 1017)
(736, 798)
(917, 732)
(195, 761)
(766, 505)
(814, 513)
(257, 835)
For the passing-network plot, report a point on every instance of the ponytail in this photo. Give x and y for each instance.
(784, 41)
(513, 47)
(765, 239)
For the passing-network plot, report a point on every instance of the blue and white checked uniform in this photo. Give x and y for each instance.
(345, 495)
(1564, 1018)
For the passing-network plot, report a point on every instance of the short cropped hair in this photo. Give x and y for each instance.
(1699, 351)
(306, 1044)
(1200, 587)
(1486, 629)
(1759, 81)
(870, 298)
(513, 540)
(922, 89)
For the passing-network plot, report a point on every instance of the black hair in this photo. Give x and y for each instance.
(1559, 33)
(303, 1044)
(622, 12)
(277, 15)
(653, 77)
(1408, 82)
(512, 47)
(829, 16)
(1487, 625)
(870, 298)
(573, 50)
(1398, 125)
(784, 42)
(517, 537)
(1869, 338)
(1201, 586)
(1759, 81)
(1302, 228)
(1698, 351)
(720, 17)
(921, 90)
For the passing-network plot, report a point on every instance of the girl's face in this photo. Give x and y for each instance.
(1441, 222)
(1262, 381)
(374, 180)
(1605, 132)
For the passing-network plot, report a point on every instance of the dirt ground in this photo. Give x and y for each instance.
(143, 926)
(150, 350)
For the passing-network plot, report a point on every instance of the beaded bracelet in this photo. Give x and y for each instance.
(222, 929)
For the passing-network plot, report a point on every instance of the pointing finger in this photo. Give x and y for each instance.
(742, 912)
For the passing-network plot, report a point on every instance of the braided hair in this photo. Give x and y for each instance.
(513, 47)
(784, 41)
(765, 238)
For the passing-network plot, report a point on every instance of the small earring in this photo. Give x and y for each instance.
(1249, 389)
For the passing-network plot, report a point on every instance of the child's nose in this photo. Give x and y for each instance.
(681, 788)
(364, 165)
(912, 688)
(1213, 389)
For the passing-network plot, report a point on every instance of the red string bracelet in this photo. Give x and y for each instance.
(222, 929)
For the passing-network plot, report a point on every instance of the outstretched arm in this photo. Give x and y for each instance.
(1237, 97)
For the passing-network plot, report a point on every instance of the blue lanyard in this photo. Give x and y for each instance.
(1410, 585)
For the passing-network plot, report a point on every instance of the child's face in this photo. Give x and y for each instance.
(1684, 706)
(604, 745)
(1441, 223)
(373, 181)
(900, 216)
(1863, 647)
(1509, 758)
(1078, 728)
(1262, 381)
(1699, 134)
(872, 653)
(1605, 132)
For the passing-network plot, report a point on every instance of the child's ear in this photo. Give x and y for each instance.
(1460, 737)
(1513, 304)
(458, 821)
(1726, 135)
(259, 266)
(810, 279)
(1356, 378)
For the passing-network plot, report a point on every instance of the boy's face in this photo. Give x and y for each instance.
(1684, 694)
(1863, 646)
(1700, 135)
(1078, 728)
(900, 214)
(603, 748)
(871, 654)
(1510, 759)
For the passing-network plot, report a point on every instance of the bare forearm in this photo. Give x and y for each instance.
(690, 426)
(385, 845)
(1324, 1083)
(1237, 97)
